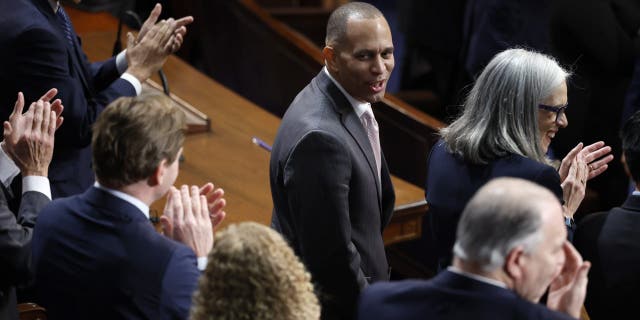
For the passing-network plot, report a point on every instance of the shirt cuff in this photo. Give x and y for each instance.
(8, 168)
(36, 183)
(202, 263)
(121, 61)
(134, 82)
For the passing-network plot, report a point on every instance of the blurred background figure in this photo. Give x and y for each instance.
(598, 40)
(611, 241)
(253, 274)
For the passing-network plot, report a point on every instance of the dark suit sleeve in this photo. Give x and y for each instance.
(179, 283)
(317, 179)
(15, 235)
(42, 62)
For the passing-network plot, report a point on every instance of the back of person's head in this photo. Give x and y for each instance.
(133, 135)
(503, 214)
(253, 274)
(337, 24)
(512, 231)
(630, 135)
(500, 114)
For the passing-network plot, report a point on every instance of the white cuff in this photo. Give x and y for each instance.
(134, 82)
(8, 168)
(121, 61)
(202, 263)
(36, 183)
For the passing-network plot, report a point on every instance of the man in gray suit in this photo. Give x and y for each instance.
(27, 149)
(330, 184)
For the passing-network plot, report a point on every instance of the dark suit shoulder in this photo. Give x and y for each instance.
(447, 297)
(445, 167)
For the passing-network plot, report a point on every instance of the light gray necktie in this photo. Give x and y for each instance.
(371, 127)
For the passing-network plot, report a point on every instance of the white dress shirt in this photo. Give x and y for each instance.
(9, 170)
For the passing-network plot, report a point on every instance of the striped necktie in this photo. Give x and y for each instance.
(65, 23)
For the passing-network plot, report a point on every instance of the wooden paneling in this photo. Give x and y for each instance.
(226, 155)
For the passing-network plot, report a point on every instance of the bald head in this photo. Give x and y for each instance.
(337, 25)
(503, 214)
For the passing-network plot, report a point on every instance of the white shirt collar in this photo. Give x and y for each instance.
(54, 5)
(143, 207)
(480, 278)
(358, 106)
(636, 193)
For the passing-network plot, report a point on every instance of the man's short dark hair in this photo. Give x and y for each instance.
(133, 135)
(630, 136)
(337, 25)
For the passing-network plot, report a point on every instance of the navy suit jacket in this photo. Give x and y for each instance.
(97, 256)
(36, 57)
(15, 247)
(452, 182)
(448, 296)
(611, 241)
(328, 201)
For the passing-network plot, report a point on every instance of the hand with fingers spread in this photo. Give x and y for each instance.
(29, 137)
(568, 290)
(186, 219)
(147, 52)
(597, 156)
(215, 203)
(575, 180)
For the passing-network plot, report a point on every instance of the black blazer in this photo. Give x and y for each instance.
(328, 201)
(452, 182)
(15, 247)
(448, 296)
(611, 241)
(36, 57)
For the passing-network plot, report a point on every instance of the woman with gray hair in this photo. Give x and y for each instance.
(509, 119)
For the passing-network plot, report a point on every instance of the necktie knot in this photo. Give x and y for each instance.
(65, 23)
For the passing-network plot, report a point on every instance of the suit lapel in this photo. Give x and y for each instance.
(352, 123)
(75, 56)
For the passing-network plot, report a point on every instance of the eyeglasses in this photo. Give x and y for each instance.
(557, 110)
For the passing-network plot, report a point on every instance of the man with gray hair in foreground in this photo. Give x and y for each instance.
(509, 249)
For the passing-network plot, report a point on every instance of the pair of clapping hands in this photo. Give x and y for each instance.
(580, 165)
(29, 137)
(190, 215)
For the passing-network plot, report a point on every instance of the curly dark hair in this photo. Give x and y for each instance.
(254, 274)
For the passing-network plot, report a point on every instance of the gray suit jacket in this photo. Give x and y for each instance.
(328, 201)
(15, 247)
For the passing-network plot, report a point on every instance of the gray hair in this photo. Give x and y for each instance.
(337, 24)
(503, 214)
(500, 113)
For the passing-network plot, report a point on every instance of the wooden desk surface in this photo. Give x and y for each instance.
(226, 156)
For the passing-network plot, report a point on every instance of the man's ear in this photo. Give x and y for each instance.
(328, 53)
(514, 263)
(158, 173)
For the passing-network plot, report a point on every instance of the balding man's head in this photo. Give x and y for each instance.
(512, 230)
(337, 25)
(504, 213)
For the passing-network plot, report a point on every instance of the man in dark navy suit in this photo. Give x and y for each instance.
(40, 50)
(27, 148)
(96, 255)
(509, 249)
